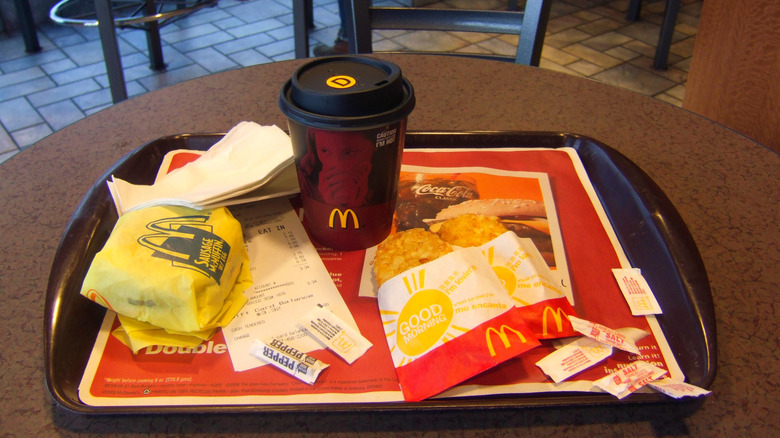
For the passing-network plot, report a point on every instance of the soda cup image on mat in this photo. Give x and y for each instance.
(172, 274)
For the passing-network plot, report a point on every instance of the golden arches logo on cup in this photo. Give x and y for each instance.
(343, 217)
(340, 82)
(424, 319)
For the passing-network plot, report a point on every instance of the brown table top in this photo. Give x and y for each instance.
(724, 185)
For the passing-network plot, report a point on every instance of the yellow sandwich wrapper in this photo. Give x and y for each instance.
(138, 335)
(172, 274)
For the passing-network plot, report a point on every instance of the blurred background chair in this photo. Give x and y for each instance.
(27, 26)
(529, 24)
(667, 29)
(147, 15)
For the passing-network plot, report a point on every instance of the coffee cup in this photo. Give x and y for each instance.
(347, 121)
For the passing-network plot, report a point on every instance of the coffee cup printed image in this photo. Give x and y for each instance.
(339, 164)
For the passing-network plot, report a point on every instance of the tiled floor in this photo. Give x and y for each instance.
(46, 91)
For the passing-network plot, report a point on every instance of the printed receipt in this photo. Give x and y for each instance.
(289, 280)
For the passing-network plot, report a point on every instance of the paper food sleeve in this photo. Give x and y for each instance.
(531, 285)
(178, 269)
(449, 320)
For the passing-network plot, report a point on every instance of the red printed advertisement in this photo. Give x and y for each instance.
(558, 211)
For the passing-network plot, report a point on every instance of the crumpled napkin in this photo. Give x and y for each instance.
(249, 157)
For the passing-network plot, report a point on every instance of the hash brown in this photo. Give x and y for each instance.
(471, 230)
(406, 250)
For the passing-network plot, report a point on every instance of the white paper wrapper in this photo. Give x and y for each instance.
(438, 302)
(531, 285)
(639, 296)
(288, 359)
(573, 358)
(630, 378)
(248, 157)
(677, 389)
(335, 334)
(450, 314)
(605, 335)
(522, 270)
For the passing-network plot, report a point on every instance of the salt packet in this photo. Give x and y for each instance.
(335, 334)
(573, 358)
(630, 378)
(606, 335)
(449, 320)
(288, 359)
(677, 389)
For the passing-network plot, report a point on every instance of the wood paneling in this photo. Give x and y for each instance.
(735, 72)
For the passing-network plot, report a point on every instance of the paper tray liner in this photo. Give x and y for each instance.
(651, 232)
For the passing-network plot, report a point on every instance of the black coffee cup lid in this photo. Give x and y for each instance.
(347, 91)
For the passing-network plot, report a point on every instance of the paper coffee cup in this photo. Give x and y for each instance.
(347, 122)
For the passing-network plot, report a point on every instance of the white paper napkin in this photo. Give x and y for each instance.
(249, 157)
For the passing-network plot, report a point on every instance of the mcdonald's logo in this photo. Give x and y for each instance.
(343, 342)
(557, 314)
(343, 218)
(501, 332)
(188, 242)
(340, 81)
(93, 295)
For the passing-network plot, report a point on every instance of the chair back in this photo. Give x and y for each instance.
(530, 24)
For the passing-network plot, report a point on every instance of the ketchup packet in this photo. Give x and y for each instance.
(449, 320)
(531, 285)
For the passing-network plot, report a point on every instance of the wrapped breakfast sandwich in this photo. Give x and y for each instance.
(172, 274)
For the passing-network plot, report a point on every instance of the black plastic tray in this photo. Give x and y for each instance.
(651, 231)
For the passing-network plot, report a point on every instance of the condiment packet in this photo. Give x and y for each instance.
(637, 292)
(531, 285)
(677, 389)
(630, 378)
(288, 359)
(604, 334)
(449, 320)
(248, 157)
(333, 333)
(573, 358)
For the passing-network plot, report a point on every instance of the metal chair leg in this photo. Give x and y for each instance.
(665, 38)
(358, 29)
(153, 41)
(116, 77)
(27, 26)
(301, 17)
(529, 47)
(634, 7)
